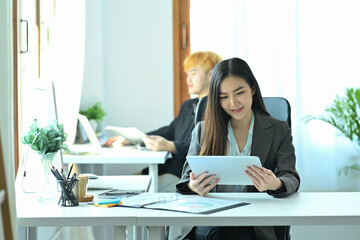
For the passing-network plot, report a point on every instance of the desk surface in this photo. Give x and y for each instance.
(123, 155)
(328, 208)
(318, 208)
(31, 213)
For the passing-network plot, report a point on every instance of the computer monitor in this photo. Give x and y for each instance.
(39, 102)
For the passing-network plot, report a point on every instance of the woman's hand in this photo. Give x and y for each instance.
(202, 184)
(158, 143)
(263, 179)
(116, 141)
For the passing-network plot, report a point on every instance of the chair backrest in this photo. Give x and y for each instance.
(278, 107)
(200, 109)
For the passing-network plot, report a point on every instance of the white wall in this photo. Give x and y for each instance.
(129, 66)
(92, 90)
(6, 116)
(129, 61)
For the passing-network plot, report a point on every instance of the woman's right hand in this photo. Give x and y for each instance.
(116, 141)
(202, 184)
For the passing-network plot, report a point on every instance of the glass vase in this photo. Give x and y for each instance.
(46, 186)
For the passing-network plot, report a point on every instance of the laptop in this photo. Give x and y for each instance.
(133, 135)
(94, 145)
(230, 169)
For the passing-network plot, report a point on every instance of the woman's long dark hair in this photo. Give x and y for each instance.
(216, 119)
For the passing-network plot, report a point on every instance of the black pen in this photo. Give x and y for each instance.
(71, 184)
(70, 171)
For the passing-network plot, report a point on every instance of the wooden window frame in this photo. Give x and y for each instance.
(5, 206)
(15, 25)
(181, 49)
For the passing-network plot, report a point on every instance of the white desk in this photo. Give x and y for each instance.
(335, 208)
(32, 214)
(124, 155)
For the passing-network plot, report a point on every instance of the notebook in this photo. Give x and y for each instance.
(230, 169)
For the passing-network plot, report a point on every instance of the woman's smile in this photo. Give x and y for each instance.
(237, 110)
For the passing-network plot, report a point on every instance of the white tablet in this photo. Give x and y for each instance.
(230, 169)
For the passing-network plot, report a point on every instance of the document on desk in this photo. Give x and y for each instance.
(181, 203)
(131, 134)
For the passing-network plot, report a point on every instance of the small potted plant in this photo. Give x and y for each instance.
(95, 114)
(344, 115)
(46, 142)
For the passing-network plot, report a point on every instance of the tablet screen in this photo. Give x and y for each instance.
(230, 169)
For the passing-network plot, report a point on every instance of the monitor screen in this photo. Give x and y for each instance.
(39, 102)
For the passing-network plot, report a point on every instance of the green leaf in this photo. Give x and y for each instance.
(346, 170)
(343, 114)
(47, 139)
(357, 97)
(95, 112)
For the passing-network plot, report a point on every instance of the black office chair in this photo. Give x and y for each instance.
(278, 108)
(200, 109)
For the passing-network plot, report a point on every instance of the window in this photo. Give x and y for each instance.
(307, 52)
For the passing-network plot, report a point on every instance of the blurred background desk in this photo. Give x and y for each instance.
(123, 155)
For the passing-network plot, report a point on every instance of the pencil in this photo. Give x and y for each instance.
(59, 176)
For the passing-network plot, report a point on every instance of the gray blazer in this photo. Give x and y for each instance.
(272, 143)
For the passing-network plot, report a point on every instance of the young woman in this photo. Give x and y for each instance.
(237, 123)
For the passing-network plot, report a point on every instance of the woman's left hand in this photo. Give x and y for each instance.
(263, 179)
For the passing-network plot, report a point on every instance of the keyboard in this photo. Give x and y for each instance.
(133, 182)
(95, 184)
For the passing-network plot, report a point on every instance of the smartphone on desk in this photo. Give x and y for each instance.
(115, 193)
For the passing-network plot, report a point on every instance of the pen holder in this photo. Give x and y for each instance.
(69, 196)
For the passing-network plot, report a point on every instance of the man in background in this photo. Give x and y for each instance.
(175, 138)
